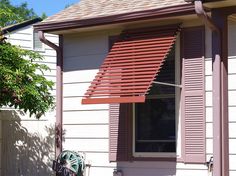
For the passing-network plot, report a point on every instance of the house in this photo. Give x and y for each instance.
(27, 144)
(147, 87)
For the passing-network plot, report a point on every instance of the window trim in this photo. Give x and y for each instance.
(178, 89)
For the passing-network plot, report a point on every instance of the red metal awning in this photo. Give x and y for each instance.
(131, 66)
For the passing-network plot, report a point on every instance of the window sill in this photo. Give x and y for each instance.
(39, 50)
(154, 159)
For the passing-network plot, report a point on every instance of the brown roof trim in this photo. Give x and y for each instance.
(126, 17)
(17, 26)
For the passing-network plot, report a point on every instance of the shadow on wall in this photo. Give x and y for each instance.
(24, 153)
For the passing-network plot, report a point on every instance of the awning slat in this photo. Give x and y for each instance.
(112, 81)
(140, 43)
(115, 70)
(131, 66)
(130, 63)
(138, 56)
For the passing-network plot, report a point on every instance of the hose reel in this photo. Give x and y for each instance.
(69, 163)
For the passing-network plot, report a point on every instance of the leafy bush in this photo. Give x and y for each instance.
(22, 81)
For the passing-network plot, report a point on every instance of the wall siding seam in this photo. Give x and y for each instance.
(22, 33)
(208, 91)
(82, 55)
(95, 152)
(209, 137)
(71, 96)
(232, 57)
(71, 83)
(70, 110)
(99, 166)
(84, 124)
(16, 39)
(45, 62)
(89, 138)
(26, 48)
(209, 106)
(45, 54)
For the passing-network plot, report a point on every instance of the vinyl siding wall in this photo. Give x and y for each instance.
(27, 144)
(86, 126)
(232, 96)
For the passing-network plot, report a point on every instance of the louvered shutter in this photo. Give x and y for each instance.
(120, 130)
(193, 95)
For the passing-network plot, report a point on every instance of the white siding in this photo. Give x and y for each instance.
(232, 96)
(27, 144)
(86, 126)
(208, 88)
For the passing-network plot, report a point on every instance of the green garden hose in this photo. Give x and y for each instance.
(73, 161)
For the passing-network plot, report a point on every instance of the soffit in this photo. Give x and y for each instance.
(192, 18)
(220, 4)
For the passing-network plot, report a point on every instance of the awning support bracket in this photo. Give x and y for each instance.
(167, 84)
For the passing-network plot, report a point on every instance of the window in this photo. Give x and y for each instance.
(37, 44)
(132, 136)
(155, 120)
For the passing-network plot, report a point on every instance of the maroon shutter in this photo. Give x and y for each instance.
(120, 129)
(193, 95)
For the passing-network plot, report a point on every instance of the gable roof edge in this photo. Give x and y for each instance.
(17, 26)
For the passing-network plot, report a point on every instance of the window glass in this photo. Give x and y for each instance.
(155, 119)
(38, 45)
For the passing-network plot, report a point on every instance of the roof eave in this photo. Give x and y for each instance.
(120, 18)
(17, 26)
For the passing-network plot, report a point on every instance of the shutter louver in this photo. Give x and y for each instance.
(193, 95)
(119, 129)
(131, 66)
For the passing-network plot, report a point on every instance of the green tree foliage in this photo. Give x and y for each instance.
(8, 17)
(44, 16)
(23, 84)
(10, 14)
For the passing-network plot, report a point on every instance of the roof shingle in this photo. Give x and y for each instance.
(88, 9)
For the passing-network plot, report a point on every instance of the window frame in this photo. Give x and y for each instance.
(42, 49)
(176, 154)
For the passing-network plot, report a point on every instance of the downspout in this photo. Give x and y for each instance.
(221, 158)
(216, 65)
(203, 15)
(59, 70)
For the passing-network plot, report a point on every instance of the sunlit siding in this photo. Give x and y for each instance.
(27, 144)
(232, 96)
(86, 126)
